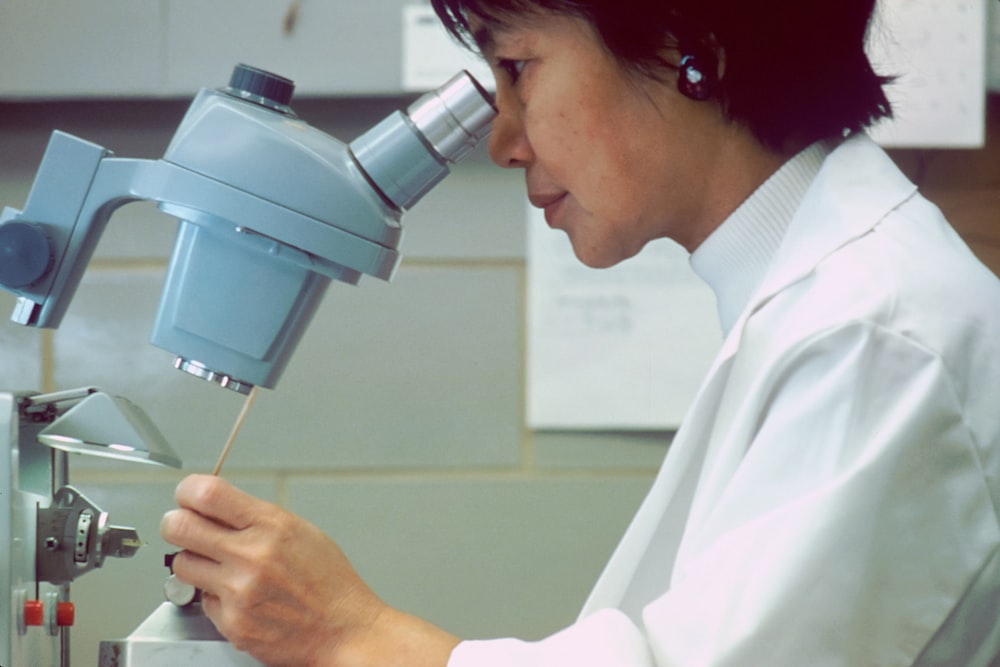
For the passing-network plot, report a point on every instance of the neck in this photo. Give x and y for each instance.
(741, 166)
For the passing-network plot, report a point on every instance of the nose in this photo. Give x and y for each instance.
(509, 146)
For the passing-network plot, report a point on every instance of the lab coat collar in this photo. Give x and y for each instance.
(857, 186)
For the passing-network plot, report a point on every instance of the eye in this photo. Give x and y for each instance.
(512, 68)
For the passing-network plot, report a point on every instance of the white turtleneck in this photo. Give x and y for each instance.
(735, 257)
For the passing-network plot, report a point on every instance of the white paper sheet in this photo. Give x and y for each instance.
(431, 56)
(937, 48)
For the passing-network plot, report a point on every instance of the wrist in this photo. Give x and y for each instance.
(395, 638)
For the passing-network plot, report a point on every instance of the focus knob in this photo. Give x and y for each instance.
(265, 88)
(25, 254)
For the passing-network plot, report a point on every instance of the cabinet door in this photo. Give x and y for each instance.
(341, 47)
(60, 48)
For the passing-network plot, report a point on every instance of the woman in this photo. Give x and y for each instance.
(832, 495)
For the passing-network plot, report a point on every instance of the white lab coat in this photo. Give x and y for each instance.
(832, 496)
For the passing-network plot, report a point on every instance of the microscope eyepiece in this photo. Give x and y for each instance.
(406, 155)
(455, 117)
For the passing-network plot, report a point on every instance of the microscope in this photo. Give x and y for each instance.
(270, 211)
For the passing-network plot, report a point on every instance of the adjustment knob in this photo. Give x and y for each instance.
(262, 87)
(65, 614)
(25, 254)
(180, 593)
(34, 612)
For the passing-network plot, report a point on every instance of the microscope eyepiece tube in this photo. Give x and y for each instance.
(406, 155)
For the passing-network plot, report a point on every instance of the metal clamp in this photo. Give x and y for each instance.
(73, 538)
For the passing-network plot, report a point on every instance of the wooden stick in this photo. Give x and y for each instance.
(236, 429)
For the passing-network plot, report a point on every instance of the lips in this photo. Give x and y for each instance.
(549, 202)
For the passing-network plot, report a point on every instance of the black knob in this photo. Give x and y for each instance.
(261, 86)
(25, 254)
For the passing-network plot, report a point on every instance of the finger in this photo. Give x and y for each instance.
(186, 529)
(196, 570)
(217, 499)
(223, 619)
(211, 604)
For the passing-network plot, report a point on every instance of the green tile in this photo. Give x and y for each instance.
(600, 449)
(479, 556)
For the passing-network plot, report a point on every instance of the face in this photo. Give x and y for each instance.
(614, 158)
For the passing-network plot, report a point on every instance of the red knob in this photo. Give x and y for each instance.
(34, 612)
(65, 614)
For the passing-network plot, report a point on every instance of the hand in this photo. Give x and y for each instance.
(280, 589)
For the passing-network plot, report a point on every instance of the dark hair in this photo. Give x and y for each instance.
(794, 69)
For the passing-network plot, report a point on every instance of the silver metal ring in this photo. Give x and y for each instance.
(199, 369)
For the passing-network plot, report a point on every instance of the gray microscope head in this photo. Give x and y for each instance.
(271, 210)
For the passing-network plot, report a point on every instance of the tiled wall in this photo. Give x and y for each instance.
(397, 427)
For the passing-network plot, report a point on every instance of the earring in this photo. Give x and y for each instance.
(692, 79)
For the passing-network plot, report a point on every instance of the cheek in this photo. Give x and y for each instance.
(553, 135)
(614, 186)
(579, 155)
(561, 118)
(600, 151)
